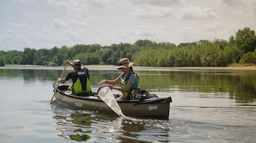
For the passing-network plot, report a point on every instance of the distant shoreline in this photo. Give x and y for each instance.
(136, 68)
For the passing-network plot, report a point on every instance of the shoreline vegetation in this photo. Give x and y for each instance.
(238, 50)
(236, 67)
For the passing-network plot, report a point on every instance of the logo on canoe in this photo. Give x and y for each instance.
(152, 108)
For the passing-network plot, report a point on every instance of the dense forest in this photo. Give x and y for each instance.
(240, 48)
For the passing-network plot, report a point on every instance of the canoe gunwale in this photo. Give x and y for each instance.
(146, 101)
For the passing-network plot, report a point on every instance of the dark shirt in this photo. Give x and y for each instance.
(74, 74)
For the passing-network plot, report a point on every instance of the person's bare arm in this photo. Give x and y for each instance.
(62, 80)
(111, 82)
(126, 88)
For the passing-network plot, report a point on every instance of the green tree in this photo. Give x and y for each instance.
(88, 58)
(249, 58)
(2, 62)
(245, 40)
(144, 43)
(29, 56)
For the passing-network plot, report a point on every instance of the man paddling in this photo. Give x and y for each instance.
(80, 77)
(128, 80)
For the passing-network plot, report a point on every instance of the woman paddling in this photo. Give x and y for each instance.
(128, 80)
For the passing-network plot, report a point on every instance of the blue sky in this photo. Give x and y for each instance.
(47, 23)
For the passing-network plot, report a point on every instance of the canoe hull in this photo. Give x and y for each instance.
(157, 108)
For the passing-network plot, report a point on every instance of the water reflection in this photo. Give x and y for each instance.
(73, 124)
(81, 125)
(239, 85)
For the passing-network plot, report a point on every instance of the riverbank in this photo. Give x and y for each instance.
(137, 68)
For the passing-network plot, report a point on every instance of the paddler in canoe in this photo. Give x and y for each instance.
(80, 77)
(127, 82)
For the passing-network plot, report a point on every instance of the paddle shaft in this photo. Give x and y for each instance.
(55, 89)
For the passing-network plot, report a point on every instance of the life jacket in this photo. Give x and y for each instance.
(124, 80)
(82, 83)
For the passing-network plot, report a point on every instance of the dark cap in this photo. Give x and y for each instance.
(76, 62)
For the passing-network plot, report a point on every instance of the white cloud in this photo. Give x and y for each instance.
(75, 8)
(5, 37)
(59, 3)
(152, 11)
(15, 33)
(100, 3)
(79, 8)
(26, 1)
(140, 32)
(22, 25)
(79, 24)
(238, 3)
(153, 8)
(189, 13)
(194, 34)
(15, 29)
(233, 2)
(212, 26)
(57, 23)
(156, 2)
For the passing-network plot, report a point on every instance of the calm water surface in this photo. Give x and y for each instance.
(208, 106)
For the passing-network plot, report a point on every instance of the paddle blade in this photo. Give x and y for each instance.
(107, 96)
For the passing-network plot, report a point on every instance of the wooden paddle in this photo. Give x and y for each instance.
(57, 82)
(107, 96)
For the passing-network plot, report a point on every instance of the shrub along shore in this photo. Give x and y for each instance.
(239, 49)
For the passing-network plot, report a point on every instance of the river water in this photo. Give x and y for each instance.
(213, 106)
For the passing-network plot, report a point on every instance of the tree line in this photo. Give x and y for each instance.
(240, 48)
